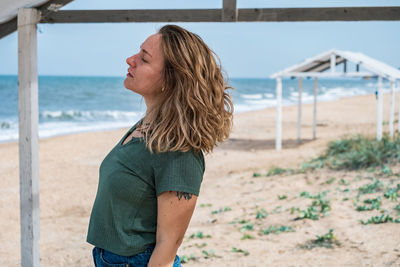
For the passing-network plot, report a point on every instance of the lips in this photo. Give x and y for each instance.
(129, 74)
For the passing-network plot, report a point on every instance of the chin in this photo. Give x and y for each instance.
(126, 84)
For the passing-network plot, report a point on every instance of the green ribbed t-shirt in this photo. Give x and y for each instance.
(124, 213)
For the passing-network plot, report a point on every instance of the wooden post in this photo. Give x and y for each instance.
(398, 113)
(379, 110)
(299, 110)
(333, 63)
(315, 108)
(278, 141)
(28, 135)
(392, 104)
(229, 11)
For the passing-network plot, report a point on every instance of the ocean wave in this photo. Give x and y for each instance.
(56, 128)
(53, 123)
(49, 129)
(252, 96)
(68, 118)
(264, 102)
(269, 95)
(79, 115)
(296, 94)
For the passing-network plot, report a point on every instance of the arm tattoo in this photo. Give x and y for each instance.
(185, 195)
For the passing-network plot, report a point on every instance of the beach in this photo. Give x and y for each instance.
(69, 176)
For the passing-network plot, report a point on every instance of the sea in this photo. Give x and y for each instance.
(70, 104)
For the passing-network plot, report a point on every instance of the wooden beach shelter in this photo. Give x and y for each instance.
(24, 15)
(324, 66)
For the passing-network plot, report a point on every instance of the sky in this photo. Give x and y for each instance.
(251, 49)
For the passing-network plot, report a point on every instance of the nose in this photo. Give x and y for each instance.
(131, 61)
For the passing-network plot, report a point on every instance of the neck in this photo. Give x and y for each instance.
(150, 104)
(149, 117)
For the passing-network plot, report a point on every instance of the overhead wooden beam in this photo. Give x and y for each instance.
(8, 27)
(217, 15)
(45, 9)
(152, 15)
(52, 6)
(229, 11)
(319, 14)
(50, 15)
(322, 65)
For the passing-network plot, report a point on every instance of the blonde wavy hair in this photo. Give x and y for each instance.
(194, 110)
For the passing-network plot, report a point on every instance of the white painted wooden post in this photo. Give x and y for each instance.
(398, 114)
(315, 107)
(392, 104)
(28, 136)
(333, 63)
(379, 111)
(278, 141)
(299, 110)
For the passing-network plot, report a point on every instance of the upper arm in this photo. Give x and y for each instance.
(174, 211)
(178, 176)
(178, 171)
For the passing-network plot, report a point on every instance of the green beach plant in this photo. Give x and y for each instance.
(343, 182)
(242, 221)
(327, 240)
(186, 259)
(275, 171)
(320, 206)
(356, 152)
(331, 180)
(309, 213)
(376, 186)
(386, 170)
(282, 197)
(208, 254)
(202, 245)
(199, 235)
(351, 153)
(247, 227)
(375, 204)
(261, 214)
(392, 193)
(220, 210)
(247, 236)
(276, 230)
(380, 219)
(397, 208)
(238, 250)
(277, 209)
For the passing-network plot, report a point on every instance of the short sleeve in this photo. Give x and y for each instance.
(179, 171)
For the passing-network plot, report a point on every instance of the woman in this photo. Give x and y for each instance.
(150, 180)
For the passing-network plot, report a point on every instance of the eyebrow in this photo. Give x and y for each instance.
(145, 51)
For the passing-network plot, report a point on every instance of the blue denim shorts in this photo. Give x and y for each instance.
(104, 258)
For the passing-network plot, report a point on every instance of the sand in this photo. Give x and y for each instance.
(68, 182)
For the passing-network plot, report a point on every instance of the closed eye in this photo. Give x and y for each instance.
(144, 60)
